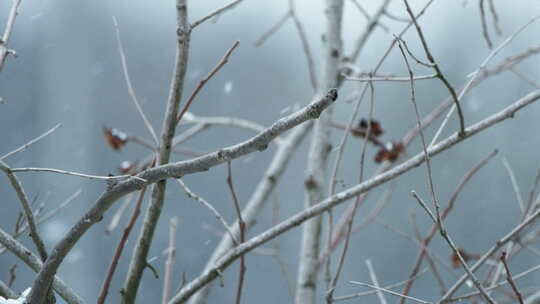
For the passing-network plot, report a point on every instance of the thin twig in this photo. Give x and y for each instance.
(258, 198)
(305, 46)
(530, 201)
(368, 17)
(206, 204)
(484, 24)
(395, 17)
(169, 263)
(469, 272)
(494, 286)
(380, 295)
(365, 293)
(203, 81)
(437, 69)
(215, 13)
(495, 17)
(119, 248)
(368, 30)
(31, 142)
(498, 244)
(525, 78)
(4, 51)
(332, 186)
(422, 137)
(515, 185)
(390, 292)
(478, 72)
(115, 219)
(272, 30)
(434, 228)
(392, 78)
(29, 215)
(130, 87)
(242, 227)
(509, 278)
(426, 64)
(43, 218)
(89, 176)
(341, 261)
(12, 275)
(431, 262)
(35, 264)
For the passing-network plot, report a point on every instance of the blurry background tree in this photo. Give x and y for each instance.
(107, 82)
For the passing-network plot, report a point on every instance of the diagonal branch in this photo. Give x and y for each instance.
(203, 81)
(35, 264)
(159, 173)
(130, 87)
(31, 142)
(338, 198)
(215, 13)
(23, 198)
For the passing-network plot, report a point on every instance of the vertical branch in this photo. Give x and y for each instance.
(171, 253)
(359, 199)
(242, 228)
(121, 245)
(318, 159)
(138, 261)
(257, 200)
(509, 278)
(485, 31)
(380, 295)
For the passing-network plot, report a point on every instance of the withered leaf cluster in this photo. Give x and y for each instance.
(371, 130)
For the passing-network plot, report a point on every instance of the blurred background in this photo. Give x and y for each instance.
(68, 71)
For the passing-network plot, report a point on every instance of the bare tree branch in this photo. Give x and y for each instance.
(28, 144)
(478, 72)
(121, 245)
(203, 81)
(510, 279)
(484, 24)
(436, 68)
(29, 215)
(305, 46)
(169, 263)
(242, 228)
(209, 206)
(159, 173)
(501, 242)
(4, 51)
(391, 292)
(317, 160)
(215, 13)
(130, 87)
(35, 264)
(139, 259)
(437, 220)
(271, 31)
(338, 198)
